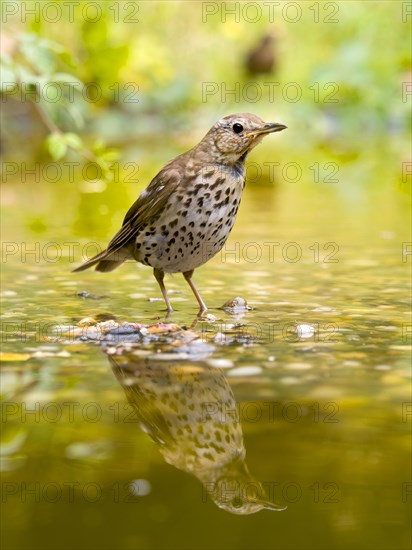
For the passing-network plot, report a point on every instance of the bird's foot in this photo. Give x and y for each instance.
(169, 312)
(201, 312)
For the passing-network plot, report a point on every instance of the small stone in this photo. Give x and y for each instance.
(236, 302)
(91, 333)
(220, 363)
(87, 321)
(245, 371)
(305, 331)
(87, 296)
(63, 353)
(140, 487)
(236, 305)
(123, 330)
(209, 318)
(108, 325)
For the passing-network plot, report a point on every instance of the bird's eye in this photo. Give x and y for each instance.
(237, 502)
(237, 128)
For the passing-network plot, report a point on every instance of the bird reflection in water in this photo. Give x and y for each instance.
(189, 410)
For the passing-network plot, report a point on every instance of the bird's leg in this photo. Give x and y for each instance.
(159, 274)
(188, 276)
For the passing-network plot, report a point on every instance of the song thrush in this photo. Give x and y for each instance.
(190, 411)
(184, 216)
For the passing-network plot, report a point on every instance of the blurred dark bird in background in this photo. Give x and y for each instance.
(261, 59)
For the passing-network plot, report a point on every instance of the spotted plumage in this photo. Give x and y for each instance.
(184, 216)
(190, 411)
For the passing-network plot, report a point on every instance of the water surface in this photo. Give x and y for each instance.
(319, 369)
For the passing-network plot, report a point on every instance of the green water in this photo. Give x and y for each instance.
(325, 412)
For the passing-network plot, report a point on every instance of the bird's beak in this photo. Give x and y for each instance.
(267, 505)
(268, 128)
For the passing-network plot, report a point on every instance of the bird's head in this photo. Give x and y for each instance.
(241, 496)
(233, 136)
(235, 490)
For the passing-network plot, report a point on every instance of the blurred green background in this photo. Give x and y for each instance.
(111, 91)
(163, 72)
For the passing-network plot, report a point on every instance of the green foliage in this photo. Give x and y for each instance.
(150, 67)
(33, 72)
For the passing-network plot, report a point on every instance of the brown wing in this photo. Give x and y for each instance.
(147, 207)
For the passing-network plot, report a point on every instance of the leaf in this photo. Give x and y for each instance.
(110, 156)
(6, 356)
(99, 146)
(48, 44)
(66, 78)
(6, 58)
(7, 77)
(39, 58)
(76, 114)
(74, 141)
(57, 145)
(26, 76)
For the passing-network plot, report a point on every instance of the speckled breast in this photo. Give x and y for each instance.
(195, 223)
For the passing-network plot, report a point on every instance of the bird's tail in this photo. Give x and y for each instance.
(105, 261)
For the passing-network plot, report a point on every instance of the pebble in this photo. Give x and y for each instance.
(140, 487)
(107, 325)
(63, 353)
(87, 321)
(305, 331)
(236, 305)
(245, 371)
(124, 330)
(220, 363)
(209, 318)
